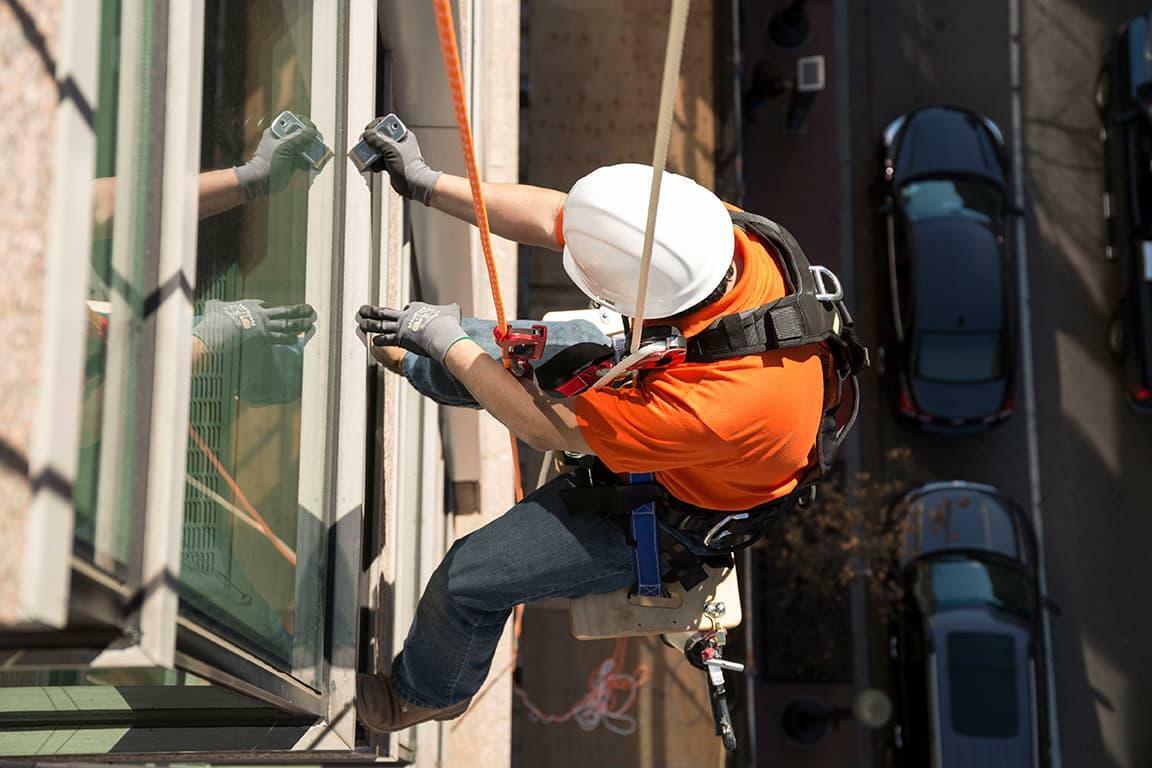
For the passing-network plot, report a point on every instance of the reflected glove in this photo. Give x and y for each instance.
(426, 329)
(410, 175)
(226, 325)
(275, 160)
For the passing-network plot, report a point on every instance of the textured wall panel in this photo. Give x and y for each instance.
(28, 94)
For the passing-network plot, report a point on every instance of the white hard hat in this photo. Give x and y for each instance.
(604, 219)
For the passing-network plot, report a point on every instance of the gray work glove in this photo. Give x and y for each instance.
(426, 329)
(410, 175)
(226, 325)
(271, 167)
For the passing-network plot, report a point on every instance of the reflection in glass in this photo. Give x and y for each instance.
(941, 198)
(98, 305)
(247, 542)
(960, 357)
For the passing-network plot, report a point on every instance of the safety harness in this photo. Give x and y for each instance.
(810, 314)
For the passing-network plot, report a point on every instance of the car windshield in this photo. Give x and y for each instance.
(959, 357)
(942, 198)
(982, 680)
(946, 585)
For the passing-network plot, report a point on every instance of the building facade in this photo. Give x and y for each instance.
(203, 543)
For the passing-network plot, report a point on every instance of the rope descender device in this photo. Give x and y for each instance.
(521, 345)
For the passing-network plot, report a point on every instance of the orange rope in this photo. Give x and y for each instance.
(447, 32)
(246, 505)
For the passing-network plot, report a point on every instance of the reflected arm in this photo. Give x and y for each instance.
(218, 191)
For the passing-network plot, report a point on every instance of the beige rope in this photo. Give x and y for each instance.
(676, 28)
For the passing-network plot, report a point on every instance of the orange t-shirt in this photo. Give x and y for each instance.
(727, 435)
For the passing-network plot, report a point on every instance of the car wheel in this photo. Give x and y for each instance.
(1117, 337)
(1102, 95)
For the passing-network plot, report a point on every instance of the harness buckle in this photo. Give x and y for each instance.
(659, 353)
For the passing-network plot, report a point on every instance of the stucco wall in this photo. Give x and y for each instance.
(29, 38)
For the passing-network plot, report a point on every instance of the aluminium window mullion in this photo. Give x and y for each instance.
(174, 31)
(357, 68)
(315, 407)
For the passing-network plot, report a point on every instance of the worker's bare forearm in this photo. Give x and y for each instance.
(544, 424)
(518, 212)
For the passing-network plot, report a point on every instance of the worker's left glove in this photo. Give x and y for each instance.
(426, 329)
(271, 167)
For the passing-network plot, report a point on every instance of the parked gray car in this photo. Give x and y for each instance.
(966, 641)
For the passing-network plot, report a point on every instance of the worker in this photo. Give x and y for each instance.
(728, 435)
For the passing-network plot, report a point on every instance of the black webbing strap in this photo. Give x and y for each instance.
(794, 320)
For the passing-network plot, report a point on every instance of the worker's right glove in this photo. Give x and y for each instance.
(226, 325)
(271, 167)
(410, 175)
(426, 329)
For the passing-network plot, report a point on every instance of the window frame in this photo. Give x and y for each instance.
(145, 609)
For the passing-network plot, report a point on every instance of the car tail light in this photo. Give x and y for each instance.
(906, 406)
(1141, 394)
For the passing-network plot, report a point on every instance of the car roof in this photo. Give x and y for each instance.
(944, 517)
(959, 276)
(971, 647)
(943, 142)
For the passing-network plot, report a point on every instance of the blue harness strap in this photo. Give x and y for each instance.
(645, 533)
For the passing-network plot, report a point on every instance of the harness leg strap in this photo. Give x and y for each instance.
(646, 550)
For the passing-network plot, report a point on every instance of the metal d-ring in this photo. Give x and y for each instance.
(717, 531)
(822, 294)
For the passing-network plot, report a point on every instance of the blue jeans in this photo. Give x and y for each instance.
(534, 550)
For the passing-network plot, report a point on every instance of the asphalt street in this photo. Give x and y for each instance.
(1094, 486)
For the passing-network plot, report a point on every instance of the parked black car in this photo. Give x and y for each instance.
(967, 640)
(943, 203)
(1124, 102)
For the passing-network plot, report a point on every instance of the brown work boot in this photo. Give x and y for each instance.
(381, 708)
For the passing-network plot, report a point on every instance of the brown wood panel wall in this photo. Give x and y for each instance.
(593, 71)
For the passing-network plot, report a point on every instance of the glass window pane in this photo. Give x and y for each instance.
(983, 679)
(960, 357)
(248, 542)
(939, 198)
(113, 543)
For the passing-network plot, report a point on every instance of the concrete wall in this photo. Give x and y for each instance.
(484, 737)
(29, 40)
(452, 269)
